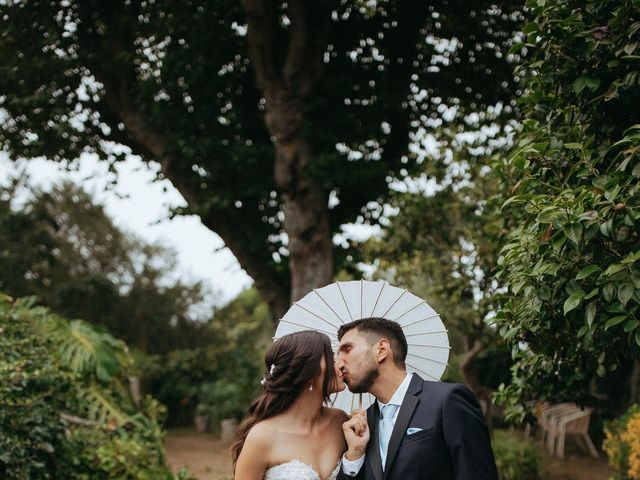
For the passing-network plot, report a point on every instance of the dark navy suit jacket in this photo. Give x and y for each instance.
(454, 442)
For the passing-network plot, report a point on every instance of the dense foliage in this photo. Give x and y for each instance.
(61, 245)
(516, 458)
(439, 245)
(219, 379)
(572, 311)
(65, 409)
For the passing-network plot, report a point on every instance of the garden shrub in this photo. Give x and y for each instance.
(516, 458)
(571, 313)
(32, 391)
(622, 444)
(64, 409)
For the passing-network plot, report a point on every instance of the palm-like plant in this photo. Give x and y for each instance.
(101, 362)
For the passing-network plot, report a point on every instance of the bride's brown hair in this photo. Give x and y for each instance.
(296, 359)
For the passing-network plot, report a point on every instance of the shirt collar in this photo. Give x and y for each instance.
(398, 395)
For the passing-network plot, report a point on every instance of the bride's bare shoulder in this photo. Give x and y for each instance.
(337, 414)
(261, 434)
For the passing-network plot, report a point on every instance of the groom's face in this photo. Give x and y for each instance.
(356, 360)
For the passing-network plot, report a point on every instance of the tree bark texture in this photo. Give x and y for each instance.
(287, 90)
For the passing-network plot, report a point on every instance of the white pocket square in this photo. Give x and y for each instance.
(412, 430)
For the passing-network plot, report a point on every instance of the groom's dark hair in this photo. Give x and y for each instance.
(375, 328)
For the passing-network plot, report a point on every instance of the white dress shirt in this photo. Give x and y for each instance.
(352, 468)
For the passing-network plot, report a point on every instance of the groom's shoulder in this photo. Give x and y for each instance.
(443, 389)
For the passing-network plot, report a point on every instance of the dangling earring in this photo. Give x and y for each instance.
(311, 387)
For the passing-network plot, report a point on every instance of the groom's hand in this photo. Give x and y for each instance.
(356, 433)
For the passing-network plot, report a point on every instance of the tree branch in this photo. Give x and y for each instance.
(262, 21)
(310, 23)
(403, 41)
(150, 143)
(77, 420)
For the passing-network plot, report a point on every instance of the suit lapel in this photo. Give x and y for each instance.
(407, 408)
(373, 453)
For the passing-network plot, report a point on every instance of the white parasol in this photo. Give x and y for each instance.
(325, 309)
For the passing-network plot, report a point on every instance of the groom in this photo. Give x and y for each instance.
(418, 429)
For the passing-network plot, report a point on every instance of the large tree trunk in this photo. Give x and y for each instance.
(287, 90)
(306, 219)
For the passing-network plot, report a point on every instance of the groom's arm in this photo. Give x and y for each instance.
(356, 434)
(351, 469)
(467, 437)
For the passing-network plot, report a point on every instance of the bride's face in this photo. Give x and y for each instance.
(338, 386)
(340, 382)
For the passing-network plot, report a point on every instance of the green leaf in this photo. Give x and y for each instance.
(516, 287)
(616, 308)
(592, 293)
(607, 291)
(605, 227)
(586, 271)
(558, 241)
(549, 215)
(625, 292)
(593, 83)
(632, 257)
(573, 301)
(514, 199)
(629, 48)
(573, 145)
(612, 194)
(549, 269)
(590, 313)
(573, 232)
(638, 337)
(511, 332)
(631, 324)
(612, 322)
(579, 84)
(615, 268)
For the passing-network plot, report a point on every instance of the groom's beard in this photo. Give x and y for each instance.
(364, 384)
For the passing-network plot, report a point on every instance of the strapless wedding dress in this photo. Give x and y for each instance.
(297, 470)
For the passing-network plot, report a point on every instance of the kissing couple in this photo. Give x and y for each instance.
(416, 429)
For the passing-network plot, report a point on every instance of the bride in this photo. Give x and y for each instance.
(288, 432)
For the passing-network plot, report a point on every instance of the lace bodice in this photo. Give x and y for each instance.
(297, 470)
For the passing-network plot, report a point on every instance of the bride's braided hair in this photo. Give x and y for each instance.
(291, 363)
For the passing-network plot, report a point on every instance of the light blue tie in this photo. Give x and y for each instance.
(386, 427)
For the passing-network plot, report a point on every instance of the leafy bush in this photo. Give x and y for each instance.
(622, 444)
(516, 458)
(220, 400)
(571, 259)
(220, 379)
(32, 391)
(64, 409)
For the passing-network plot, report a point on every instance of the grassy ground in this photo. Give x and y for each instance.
(204, 455)
(207, 458)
